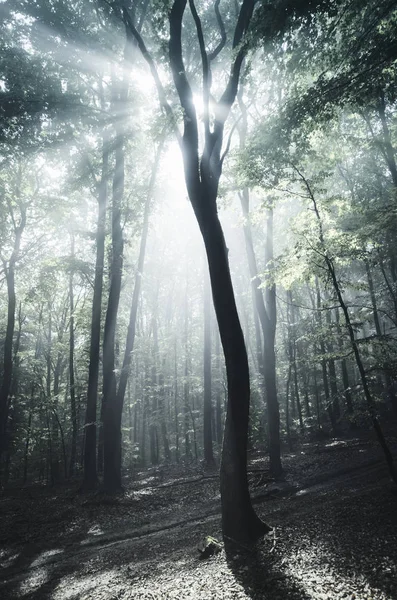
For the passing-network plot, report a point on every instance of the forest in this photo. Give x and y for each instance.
(198, 291)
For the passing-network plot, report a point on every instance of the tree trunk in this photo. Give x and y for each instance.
(332, 373)
(129, 346)
(268, 324)
(218, 401)
(9, 270)
(239, 520)
(292, 356)
(176, 405)
(111, 411)
(208, 454)
(90, 466)
(345, 375)
(71, 367)
(164, 432)
(328, 401)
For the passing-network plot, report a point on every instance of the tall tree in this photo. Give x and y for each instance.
(202, 173)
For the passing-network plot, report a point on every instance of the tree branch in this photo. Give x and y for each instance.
(212, 56)
(147, 56)
(190, 133)
(230, 92)
(206, 69)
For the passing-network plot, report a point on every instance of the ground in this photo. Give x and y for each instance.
(335, 534)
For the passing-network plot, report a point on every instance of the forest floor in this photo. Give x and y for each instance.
(335, 534)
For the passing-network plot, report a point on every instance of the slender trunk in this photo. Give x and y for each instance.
(292, 354)
(119, 401)
(287, 420)
(28, 433)
(71, 367)
(267, 320)
(63, 445)
(163, 423)
(145, 401)
(9, 270)
(154, 455)
(269, 353)
(186, 404)
(111, 413)
(328, 401)
(208, 454)
(345, 375)
(90, 427)
(176, 405)
(332, 371)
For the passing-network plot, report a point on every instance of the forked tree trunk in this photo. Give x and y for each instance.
(239, 520)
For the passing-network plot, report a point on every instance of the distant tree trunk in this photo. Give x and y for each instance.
(269, 337)
(186, 403)
(332, 372)
(90, 466)
(318, 406)
(345, 374)
(164, 432)
(145, 403)
(176, 405)
(267, 317)
(287, 419)
(119, 402)
(111, 413)
(71, 366)
(328, 400)
(63, 445)
(154, 455)
(28, 434)
(292, 356)
(208, 454)
(9, 270)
